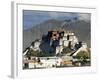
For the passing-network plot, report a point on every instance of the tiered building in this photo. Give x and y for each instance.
(61, 38)
(58, 40)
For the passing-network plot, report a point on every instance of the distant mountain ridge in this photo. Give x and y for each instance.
(79, 27)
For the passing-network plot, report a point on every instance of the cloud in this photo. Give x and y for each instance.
(53, 15)
(57, 15)
(85, 16)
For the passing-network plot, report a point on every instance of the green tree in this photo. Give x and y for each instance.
(38, 53)
(83, 54)
(67, 50)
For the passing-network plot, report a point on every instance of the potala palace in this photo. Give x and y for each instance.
(64, 47)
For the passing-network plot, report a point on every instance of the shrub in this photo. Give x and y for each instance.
(83, 55)
(38, 53)
(67, 50)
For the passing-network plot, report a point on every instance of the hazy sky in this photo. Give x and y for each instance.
(32, 18)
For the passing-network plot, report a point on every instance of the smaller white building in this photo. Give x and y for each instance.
(58, 61)
(61, 42)
(70, 33)
(74, 41)
(32, 65)
(59, 49)
(84, 45)
(36, 45)
(71, 38)
(65, 38)
(65, 34)
(66, 43)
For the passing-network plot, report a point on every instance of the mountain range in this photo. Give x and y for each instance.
(81, 28)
